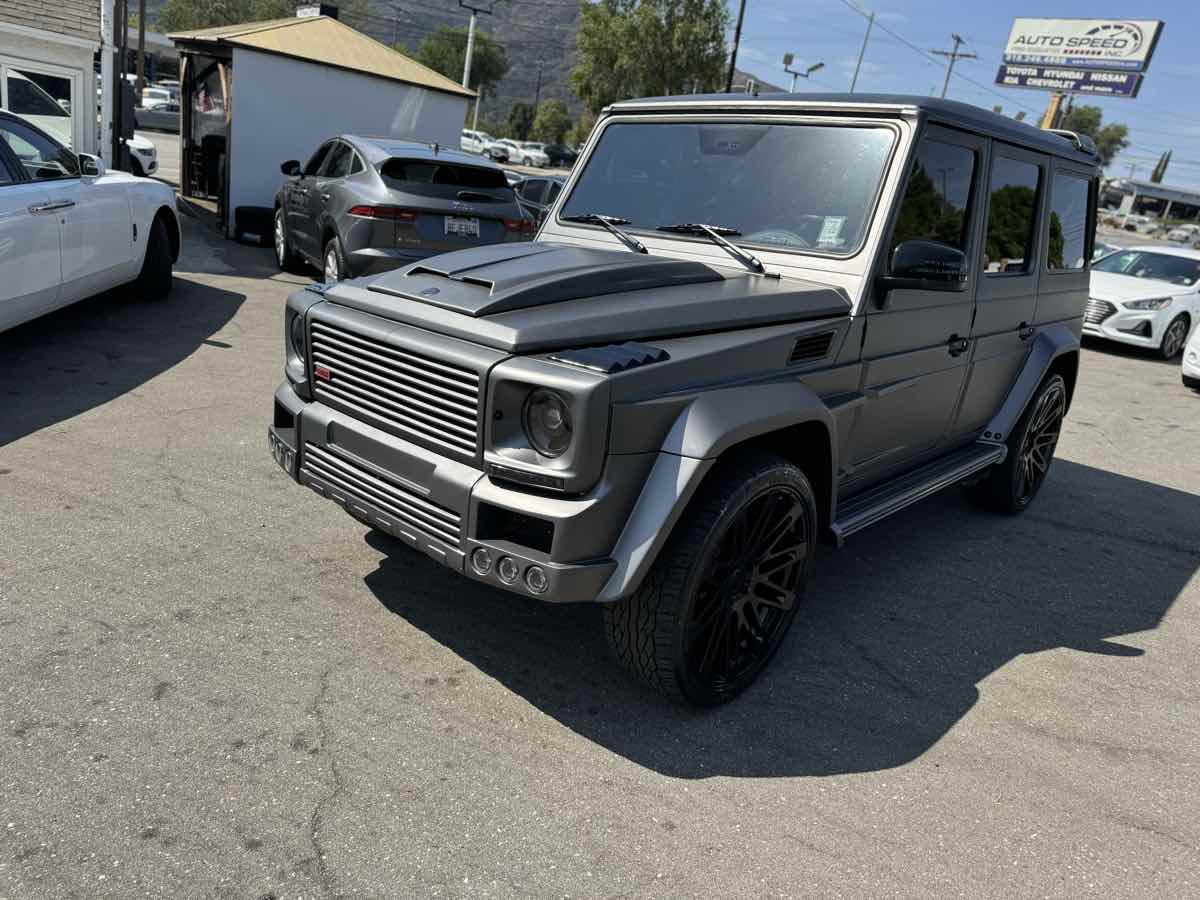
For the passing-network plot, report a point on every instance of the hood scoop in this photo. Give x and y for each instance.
(502, 278)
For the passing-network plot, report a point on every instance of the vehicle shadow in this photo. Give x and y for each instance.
(896, 633)
(1127, 351)
(84, 355)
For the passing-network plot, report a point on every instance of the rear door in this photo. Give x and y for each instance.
(915, 347)
(1007, 296)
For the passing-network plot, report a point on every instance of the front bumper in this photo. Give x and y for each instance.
(1137, 327)
(447, 509)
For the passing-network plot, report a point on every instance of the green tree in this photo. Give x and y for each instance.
(639, 48)
(520, 120)
(189, 15)
(1110, 139)
(551, 122)
(581, 129)
(445, 51)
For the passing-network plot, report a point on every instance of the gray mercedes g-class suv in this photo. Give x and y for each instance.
(747, 324)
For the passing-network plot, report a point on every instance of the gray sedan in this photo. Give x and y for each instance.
(365, 205)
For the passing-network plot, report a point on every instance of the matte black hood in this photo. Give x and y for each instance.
(544, 296)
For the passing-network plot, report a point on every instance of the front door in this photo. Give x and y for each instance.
(1006, 299)
(916, 343)
(30, 260)
(299, 191)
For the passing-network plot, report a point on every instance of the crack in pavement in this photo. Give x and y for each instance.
(322, 807)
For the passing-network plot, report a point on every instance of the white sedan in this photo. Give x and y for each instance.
(70, 229)
(1185, 234)
(1145, 296)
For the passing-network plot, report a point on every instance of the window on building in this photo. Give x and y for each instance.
(937, 199)
(1067, 246)
(1012, 214)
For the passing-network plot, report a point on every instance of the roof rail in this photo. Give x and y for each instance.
(1080, 142)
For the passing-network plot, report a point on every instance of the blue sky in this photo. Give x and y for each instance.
(1165, 115)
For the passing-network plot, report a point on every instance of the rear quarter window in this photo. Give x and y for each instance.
(1068, 223)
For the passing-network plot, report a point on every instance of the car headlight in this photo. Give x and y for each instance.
(296, 336)
(1154, 303)
(547, 421)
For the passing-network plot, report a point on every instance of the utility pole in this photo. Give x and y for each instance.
(475, 11)
(537, 93)
(737, 39)
(954, 56)
(862, 51)
(141, 67)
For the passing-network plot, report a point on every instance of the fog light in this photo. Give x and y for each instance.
(508, 570)
(536, 580)
(481, 560)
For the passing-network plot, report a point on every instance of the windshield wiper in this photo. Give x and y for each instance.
(610, 223)
(716, 233)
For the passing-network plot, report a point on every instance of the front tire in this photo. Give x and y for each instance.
(1010, 486)
(527, 162)
(723, 593)
(155, 280)
(285, 256)
(1175, 337)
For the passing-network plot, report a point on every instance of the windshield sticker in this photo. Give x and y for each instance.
(831, 231)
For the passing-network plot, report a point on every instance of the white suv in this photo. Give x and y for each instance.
(484, 144)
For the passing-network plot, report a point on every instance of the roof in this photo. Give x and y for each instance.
(950, 112)
(325, 42)
(377, 148)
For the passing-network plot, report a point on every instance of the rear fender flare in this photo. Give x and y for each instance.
(711, 425)
(1050, 344)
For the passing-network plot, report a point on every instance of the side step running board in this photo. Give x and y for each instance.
(878, 503)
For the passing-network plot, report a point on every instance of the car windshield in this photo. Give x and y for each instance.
(780, 186)
(1153, 266)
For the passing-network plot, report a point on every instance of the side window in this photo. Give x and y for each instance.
(938, 197)
(1068, 222)
(532, 189)
(356, 164)
(338, 165)
(1012, 215)
(313, 166)
(6, 177)
(555, 190)
(43, 159)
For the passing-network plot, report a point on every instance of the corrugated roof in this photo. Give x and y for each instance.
(326, 41)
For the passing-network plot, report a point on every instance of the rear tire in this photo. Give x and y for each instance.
(155, 280)
(1009, 487)
(1175, 337)
(721, 596)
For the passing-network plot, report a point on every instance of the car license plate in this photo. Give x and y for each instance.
(457, 225)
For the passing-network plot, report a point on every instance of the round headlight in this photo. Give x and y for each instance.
(298, 336)
(547, 422)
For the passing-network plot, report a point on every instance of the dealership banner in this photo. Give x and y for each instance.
(1124, 44)
(1070, 81)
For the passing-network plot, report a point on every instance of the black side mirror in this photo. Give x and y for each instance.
(290, 168)
(925, 266)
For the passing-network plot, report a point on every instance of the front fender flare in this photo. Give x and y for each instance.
(707, 427)
(1050, 344)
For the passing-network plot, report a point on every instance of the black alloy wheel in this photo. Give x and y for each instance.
(1010, 486)
(720, 598)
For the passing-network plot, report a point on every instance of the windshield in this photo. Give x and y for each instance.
(781, 186)
(1154, 266)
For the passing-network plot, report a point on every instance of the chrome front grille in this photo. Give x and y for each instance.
(344, 474)
(414, 394)
(1097, 311)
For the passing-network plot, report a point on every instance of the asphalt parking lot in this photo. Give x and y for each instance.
(215, 684)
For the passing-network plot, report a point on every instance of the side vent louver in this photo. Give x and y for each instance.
(810, 346)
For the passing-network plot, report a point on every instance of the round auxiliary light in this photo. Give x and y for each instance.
(536, 580)
(298, 336)
(508, 570)
(481, 560)
(547, 422)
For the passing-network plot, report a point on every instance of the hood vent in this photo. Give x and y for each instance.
(810, 346)
(614, 358)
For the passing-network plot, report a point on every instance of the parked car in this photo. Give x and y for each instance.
(1185, 234)
(531, 153)
(143, 156)
(153, 97)
(362, 205)
(1139, 223)
(1102, 249)
(484, 144)
(537, 195)
(660, 406)
(1147, 297)
(71, 229)
(561, 156)
(160, 118)
(1191, 362)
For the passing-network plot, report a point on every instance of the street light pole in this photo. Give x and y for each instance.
(788, 59)
(466, 79)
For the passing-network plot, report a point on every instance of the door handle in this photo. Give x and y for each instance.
(1024, 331)
(40, 208)
(957, 345)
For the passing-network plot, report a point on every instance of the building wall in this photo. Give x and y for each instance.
(73, 18)
(283, 108)
(69, 57)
